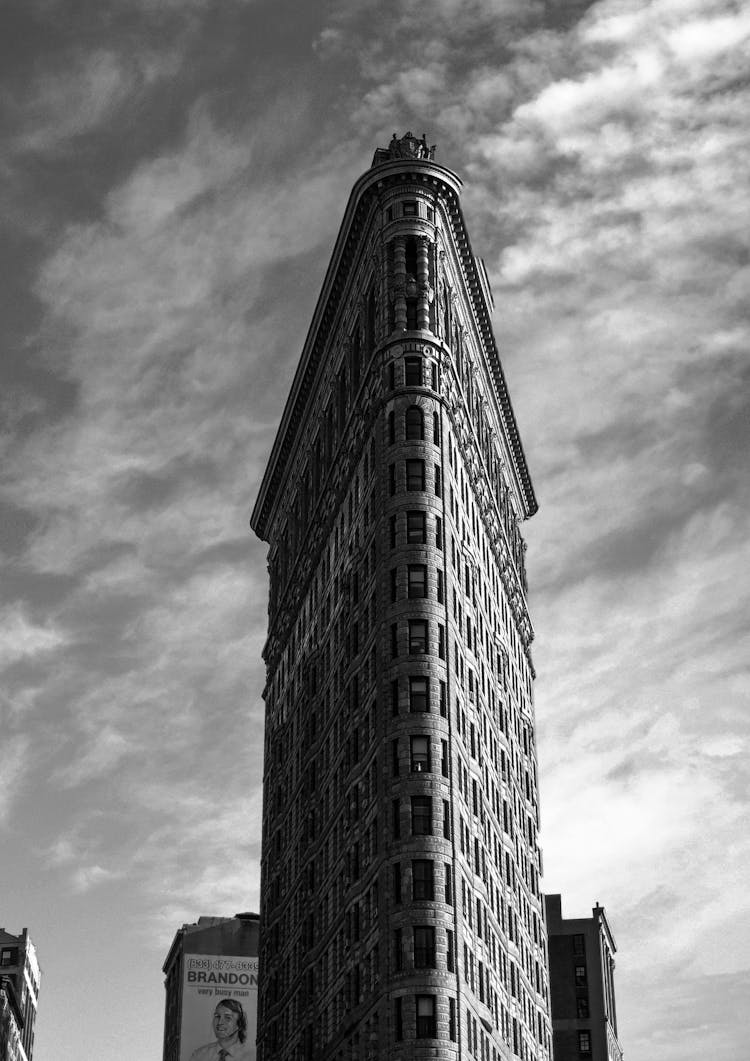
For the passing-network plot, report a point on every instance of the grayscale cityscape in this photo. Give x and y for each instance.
(374, 528)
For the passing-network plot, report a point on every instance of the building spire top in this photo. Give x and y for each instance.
(408, 146)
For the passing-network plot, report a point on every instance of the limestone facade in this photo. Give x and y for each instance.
(401, 911)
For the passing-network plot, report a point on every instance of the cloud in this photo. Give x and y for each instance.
(15, 753)
(20, 637)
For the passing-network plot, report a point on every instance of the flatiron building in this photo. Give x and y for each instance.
(401, 911)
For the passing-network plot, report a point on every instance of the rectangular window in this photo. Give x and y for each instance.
(417, 637)
(582, 1008)
(440, 586)
(420, 754)
(438, 481)
(413, 371)
(394, 697)
(419, 694)
(424, 947)
(444, 758)
(393, 532)
(394, 584)
(398, 949)
(415, 475)
(422, 879)
(584, 1043)
(446, 820)
(421, 815)
(392, 478)
(441, 641)
(450, 960)
(398, 1004)
(425, 1005)
(452, 1019)
(580, 975)
(396, 818)
(443, 699)
(416, 533)
(579, 945)
(394, 757)
(394, 639)
(410, 208)
(448, 883)
(417, 581)
(397, 882)
(438, 532)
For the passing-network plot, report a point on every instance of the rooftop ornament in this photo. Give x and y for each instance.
(407, 147)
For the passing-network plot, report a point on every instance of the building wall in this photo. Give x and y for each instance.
(389, 757)
(584, 1018)
(232, 936)
(19, 965)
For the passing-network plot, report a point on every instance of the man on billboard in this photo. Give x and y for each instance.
(229, 1025)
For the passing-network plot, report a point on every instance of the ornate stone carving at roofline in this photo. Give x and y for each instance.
(408, 146)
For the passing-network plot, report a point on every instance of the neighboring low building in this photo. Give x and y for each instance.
(19, 996)
(582, 965)
(213, 960)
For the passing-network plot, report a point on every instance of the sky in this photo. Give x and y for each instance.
(173, 176)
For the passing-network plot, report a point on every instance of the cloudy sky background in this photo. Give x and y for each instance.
(174, 173)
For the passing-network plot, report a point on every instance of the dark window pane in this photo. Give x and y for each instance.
(424, 947)
(415, 475)
(413, 371)
(421, 815)
(414, 424)
(419, 694)
(423, 886)
(417, 636)
(416, 531)
(417, 580)
(420, 754)
(425, 1005)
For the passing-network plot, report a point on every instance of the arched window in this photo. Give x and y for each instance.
(414, 422)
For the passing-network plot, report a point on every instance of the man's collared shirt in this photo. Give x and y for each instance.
(236, 1052)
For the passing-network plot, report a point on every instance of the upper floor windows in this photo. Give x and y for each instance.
(410, 208)
(421, 815)
(416, 529)
(417, 580)
(420, 755)
(413, 371)
(426, 1021)
(414, 424)
(423, 880)
(415, 475)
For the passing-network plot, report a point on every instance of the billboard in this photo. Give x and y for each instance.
(219, 1008)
